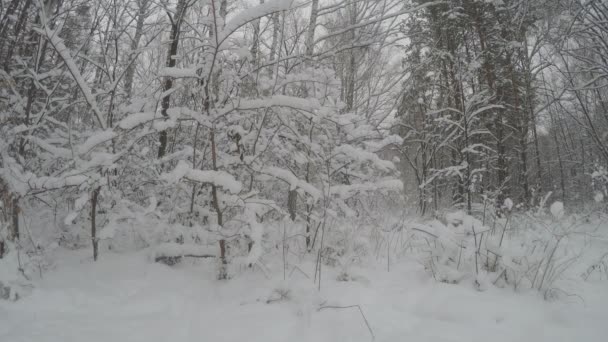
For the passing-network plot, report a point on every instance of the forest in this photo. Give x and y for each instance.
(303, 170)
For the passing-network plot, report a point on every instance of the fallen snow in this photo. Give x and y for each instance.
(170, 249)
(128, 298)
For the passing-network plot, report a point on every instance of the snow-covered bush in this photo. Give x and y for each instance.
(17, 270)
(522, 251)
(597, 270)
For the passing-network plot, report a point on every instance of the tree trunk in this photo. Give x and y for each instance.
(223, 272)
(561, 168)
(523, 123)
(139, 27)
(312, 25)
(274, 47)
(176, 22)
(15, 218)
(351, 71)
(292, 198)
(94, 199)
(18, 27)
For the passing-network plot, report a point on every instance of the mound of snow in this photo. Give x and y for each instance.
(557, 209)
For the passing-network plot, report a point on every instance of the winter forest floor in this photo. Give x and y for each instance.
(125, 297)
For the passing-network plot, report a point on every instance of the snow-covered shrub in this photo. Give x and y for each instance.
(17, 270)
(599, 182)
(282, 292)
(302, 297)
(519, 250)
(597, 270)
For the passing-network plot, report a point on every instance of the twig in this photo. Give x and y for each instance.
(503, 231)
(499, 276)
(476, 250)
(549, 261)
(299, 269)
(424, 231)
(371, 332)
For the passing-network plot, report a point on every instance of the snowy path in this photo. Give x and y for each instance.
(129, 299)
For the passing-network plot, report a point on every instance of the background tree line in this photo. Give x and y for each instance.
(221, 116)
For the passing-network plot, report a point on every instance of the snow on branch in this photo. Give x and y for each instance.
(178, 72)
(198, 116)
(49, 183)
(249, 15)
(308, 105)
(345, 191)
(365, 156)
(391, 140)
(67, 58)
(219, 178)
(293, 181)
(96, 139)
(485, 108)
(12, 175)
(136, 119)
(377, 20)
(54, 150)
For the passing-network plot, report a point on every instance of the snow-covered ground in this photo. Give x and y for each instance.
(128, 298)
